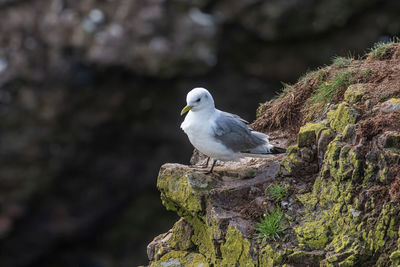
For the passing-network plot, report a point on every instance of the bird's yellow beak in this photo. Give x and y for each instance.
(186, 109)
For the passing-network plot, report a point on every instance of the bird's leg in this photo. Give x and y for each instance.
(206, 165)
(212, 167)
(201, 166)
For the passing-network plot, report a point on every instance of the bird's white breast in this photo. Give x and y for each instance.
(200, 133)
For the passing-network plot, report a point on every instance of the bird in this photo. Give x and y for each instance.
(221, 135)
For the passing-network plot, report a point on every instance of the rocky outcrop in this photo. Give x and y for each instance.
(342, 171)
(83, 85)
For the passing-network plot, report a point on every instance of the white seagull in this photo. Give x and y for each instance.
(221, 135)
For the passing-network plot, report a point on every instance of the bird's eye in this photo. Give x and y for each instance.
(198, 100)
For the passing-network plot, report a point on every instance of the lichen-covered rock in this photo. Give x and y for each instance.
(180, 190)
(302, 158)
(392, 140)
(212, 225)
(181, 259)
(355, 92)
(236, 250)
(342, 116)
(269, 257)
(308, 134)
(299, 161)
(178, 238)
(343, 208)
(391, 105)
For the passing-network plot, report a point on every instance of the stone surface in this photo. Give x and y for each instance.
(391, 105)
(76, 74)
(355, 92)
(342, 116)
(343, 203)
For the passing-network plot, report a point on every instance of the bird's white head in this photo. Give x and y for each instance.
(198, 99)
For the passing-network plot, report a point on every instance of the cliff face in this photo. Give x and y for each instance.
(341, 170)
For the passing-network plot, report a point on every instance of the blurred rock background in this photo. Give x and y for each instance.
(90, 95)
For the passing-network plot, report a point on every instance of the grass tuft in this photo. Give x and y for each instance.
(277, 192)
(319, 75)
(270, 226)
(340, 62)
(381, 50)
(326, 92)
(329, 89)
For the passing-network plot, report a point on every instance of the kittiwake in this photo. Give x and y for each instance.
(221, 135)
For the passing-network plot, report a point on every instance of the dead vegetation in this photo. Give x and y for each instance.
(311, 96)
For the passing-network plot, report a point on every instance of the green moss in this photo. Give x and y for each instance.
(236, 250)
(369, 173)
(181, 258)
(177, 193)
(395, 258)
(181, 236)
(355, 92)
(203, 237)
(250, 173)
(178, 238)
(348, 262)
(269, 257)
(291, 160)
(300, 257)
(349, 133)
(292, 149)
(341, 117)
(314, 233)
(376, 236)
(308, 134)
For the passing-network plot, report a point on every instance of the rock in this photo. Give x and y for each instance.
(181, 259)
(326, 136)
(178, 238)
(214, 208)
(301, 159)
(342, 210)
(342, 116)
(391, 105)
(309, 134)
(236, 249)
(355, 92)
(391, 140)
(350, 135)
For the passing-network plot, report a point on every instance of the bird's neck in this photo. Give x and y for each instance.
(204, 113)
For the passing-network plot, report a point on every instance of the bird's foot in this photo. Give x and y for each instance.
(200, 166)
(197, 166)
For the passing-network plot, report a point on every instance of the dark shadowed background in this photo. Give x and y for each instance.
(90, 95)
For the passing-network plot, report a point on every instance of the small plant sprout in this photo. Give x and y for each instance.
(277, 192)
(270, 225)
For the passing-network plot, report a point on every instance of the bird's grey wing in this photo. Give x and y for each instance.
(232, 132)
(235, 116)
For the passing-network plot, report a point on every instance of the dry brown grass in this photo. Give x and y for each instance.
(299, 103)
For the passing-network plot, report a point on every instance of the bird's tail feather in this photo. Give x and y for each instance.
(264, 150)
(252, 155)
(272, 151)
(277, 150)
